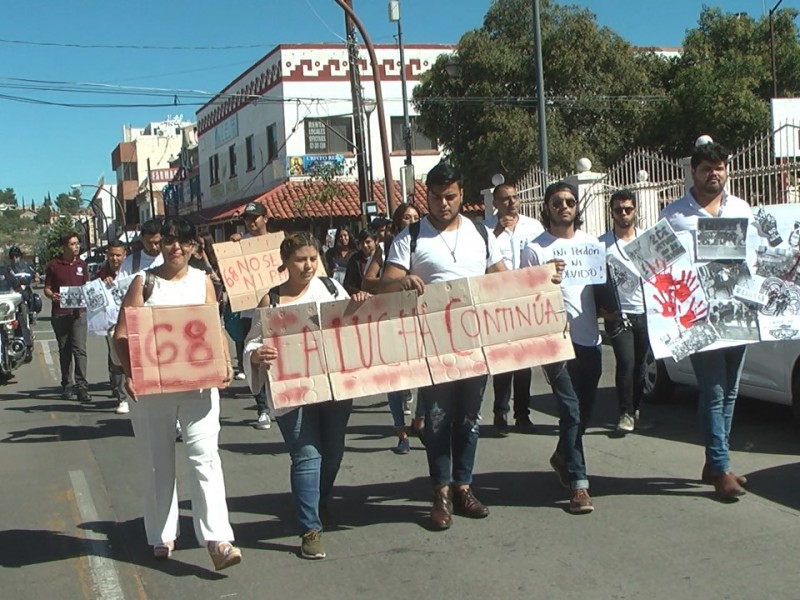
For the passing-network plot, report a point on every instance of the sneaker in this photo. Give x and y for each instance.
(641, 423)
(403, 446)
(626, 423)
(263, 422)
(407, 407)
(500, 424)
(123, 408)
(66, 392)
(311, 547)
(240, 376)
(524, 425)
(560, 467)
(581, 502)
(83, 395)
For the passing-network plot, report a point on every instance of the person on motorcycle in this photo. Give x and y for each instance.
(19, 275)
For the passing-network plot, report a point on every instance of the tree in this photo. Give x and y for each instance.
(8, 196)
(43, 215)
(595, 84)
(69, 204)
(49, 246)
(324, 184)
(722, 83)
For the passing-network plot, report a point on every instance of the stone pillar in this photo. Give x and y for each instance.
(591, 197)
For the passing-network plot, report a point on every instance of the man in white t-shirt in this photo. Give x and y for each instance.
(627, 328)
(513, 231)
(574, 382)
(446, 246)
(150, 254)
(717, 371)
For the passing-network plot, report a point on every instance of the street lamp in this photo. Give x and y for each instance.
(394, 17)
(369, 107)
(537, 46)
(120, 209)
(772, 49)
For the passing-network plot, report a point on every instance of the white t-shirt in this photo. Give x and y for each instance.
(511, 243)
(624, 274)
(444, 255)
(146, 262)
(578, 299)
(257, 377)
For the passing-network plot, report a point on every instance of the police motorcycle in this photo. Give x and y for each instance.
(12, 345)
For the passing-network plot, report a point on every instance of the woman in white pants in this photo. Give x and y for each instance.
(153, 416)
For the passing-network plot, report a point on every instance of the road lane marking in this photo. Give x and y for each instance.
(104, 573)
(48, 359)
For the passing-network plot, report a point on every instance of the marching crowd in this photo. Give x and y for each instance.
(176, 267)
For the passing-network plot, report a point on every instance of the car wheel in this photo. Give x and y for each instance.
(657, 384)
(796, 392)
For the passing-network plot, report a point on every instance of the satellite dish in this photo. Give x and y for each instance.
(498, 179)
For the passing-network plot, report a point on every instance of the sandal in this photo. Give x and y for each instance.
(163, 550)
(224, 554)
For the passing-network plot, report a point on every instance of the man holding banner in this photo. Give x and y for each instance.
(717, 370)
(446, 246)
(574, 382)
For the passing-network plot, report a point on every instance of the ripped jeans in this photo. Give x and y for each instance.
(452, 415)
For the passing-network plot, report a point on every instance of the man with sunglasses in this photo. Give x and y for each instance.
(574, 382)
(513, 231)
(627, 328)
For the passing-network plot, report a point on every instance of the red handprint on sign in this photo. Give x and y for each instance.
(686, 285)
(697, 311)
(666, 299)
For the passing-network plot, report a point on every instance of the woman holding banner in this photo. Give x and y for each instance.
(175, 283)
(314, 433)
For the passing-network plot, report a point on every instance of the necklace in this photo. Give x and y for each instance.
(621, 252)
(455, 245)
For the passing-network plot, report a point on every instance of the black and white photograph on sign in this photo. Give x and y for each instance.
(96, 296)
(733, 320)
(781, 263)
(783, 298)
(691, 340)
(655, 249)
(768, 225)
(720, 280)
(72, 297)
(623, 278)
(721, 239)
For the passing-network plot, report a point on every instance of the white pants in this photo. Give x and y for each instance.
(153, 419)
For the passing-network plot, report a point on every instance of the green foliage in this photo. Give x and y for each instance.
(69, 204)
(43, 215)
(49, 246)
(324, 183)
(8, 196)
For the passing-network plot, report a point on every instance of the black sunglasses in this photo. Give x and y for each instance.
(559, 202)
(619, 210)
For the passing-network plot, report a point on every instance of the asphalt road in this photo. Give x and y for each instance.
(72, 526)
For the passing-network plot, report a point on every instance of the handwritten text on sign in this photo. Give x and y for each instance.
(586, 263)
(175, 349)
(250, 268)
(457, 329)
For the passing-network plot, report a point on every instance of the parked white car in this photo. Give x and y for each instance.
(771, 372)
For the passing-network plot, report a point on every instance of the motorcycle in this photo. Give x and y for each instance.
(12, 344)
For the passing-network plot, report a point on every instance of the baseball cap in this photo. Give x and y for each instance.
(255, 209)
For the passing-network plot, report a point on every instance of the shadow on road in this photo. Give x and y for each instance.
(105, 428)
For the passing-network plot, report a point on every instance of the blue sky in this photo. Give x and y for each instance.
(47, 148)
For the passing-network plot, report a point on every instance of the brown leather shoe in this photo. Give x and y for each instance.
(707, 478)
(467, 505)
(442, 509)
(726, 487)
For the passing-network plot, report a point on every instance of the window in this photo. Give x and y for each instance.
(248, 148)
(419, 141)
(194, 189)
(130, 172)
(232, 159)
(213, 168)
(329, 135)
(272, 142)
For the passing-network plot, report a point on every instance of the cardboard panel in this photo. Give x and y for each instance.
(373, 347)
(175, 349)
(250, 269)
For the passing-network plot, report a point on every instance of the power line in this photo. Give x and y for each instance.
(131, 46)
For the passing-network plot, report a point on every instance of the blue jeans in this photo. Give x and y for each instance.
(574, 384)
(314, 435)
(396, 401)
(521, 382)
(452, 415)
(717, 373)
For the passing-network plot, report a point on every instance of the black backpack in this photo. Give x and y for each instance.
(413, 232)
(275, 294)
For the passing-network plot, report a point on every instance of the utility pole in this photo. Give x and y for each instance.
(408, 180)
(364, 193)
(537, 42)
(150, 185)
(772, 49)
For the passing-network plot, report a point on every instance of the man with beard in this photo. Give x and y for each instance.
(628, 328)
(444, 246)
(717, 370)
(574, 382)
(513, 232)
(150, 253)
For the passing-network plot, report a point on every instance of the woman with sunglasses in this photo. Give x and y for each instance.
(175, 283)
(313, 433)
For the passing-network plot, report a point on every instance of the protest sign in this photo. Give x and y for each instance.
(655, 249)
(175, 349)
(456, 329)
(721, 239)
(585, 263)
(375, 346)
(98, 299)
(249, 268)
(72, 296)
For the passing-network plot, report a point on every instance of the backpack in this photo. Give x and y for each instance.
(413, 232)
(275, 294)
